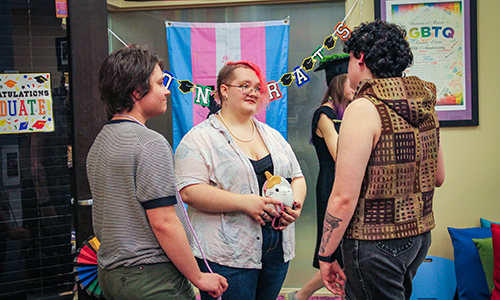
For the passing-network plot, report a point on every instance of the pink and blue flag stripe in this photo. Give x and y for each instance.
(197, 51)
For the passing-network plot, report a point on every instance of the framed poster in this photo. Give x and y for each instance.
(443, 38)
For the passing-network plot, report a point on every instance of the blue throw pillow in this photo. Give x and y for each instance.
(471, 280)
(486, 223)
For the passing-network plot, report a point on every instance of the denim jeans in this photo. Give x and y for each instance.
(251, 284)
(145, 282)
(379, 270)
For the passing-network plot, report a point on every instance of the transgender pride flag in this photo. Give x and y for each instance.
(197, 51)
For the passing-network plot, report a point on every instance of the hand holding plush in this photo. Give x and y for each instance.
(278, 188)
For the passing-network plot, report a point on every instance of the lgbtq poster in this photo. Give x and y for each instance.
(436, 36)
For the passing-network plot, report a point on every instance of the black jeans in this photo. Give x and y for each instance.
(383, 270)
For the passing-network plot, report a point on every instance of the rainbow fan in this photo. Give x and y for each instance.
(86, 267)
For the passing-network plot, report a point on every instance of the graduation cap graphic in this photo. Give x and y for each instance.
(213, 106)
(185, 86)
(308, 64)
(334, 65)
(23, 126)
(287, 79)
(330, 42)
(39, 124)
(10, 83)
(40, 79)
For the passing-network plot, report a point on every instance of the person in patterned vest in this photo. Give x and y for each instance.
(388, 164)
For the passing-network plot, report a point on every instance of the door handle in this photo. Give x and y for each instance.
(86, 202)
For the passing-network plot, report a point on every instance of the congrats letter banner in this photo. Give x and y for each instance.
(197, 51)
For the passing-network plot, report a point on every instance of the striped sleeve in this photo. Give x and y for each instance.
(155, 175)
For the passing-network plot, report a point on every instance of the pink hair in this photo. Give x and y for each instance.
(226, 75)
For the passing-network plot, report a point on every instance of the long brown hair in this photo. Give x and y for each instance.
(335, 94)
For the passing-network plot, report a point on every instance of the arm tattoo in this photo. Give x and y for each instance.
(329, 225)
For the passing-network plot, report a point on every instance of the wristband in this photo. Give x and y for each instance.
(329, 259)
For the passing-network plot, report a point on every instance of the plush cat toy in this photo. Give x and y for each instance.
(278, 188)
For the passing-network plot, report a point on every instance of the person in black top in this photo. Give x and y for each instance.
(324, 129)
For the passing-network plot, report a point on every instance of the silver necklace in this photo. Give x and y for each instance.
(235, 136)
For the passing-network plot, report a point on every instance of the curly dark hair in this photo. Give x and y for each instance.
(124, 71)
(386, 51)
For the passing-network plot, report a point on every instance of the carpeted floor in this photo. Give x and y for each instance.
(312, 298)
(316, 298)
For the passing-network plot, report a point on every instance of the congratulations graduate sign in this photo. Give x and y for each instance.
(25, 103)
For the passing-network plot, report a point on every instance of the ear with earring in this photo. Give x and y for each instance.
(224, 99)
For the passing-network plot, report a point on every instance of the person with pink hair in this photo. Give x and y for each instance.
(220, 171)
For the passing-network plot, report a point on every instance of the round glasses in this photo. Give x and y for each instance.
(247, 89)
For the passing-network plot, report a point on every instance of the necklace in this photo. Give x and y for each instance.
(130, 117)
(236, 137)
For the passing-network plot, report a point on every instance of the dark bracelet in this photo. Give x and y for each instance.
(329, 259)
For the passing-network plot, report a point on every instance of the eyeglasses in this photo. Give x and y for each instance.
(246, 89)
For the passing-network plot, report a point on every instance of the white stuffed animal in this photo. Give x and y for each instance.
(278, 188)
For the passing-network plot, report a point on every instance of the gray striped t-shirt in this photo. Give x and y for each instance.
(130, 169)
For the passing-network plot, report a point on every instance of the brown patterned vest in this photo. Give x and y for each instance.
(398, 187)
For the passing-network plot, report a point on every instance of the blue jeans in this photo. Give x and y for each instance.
(383, 269)
(251, 284)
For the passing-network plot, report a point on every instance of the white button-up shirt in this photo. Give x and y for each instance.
(208, 155)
